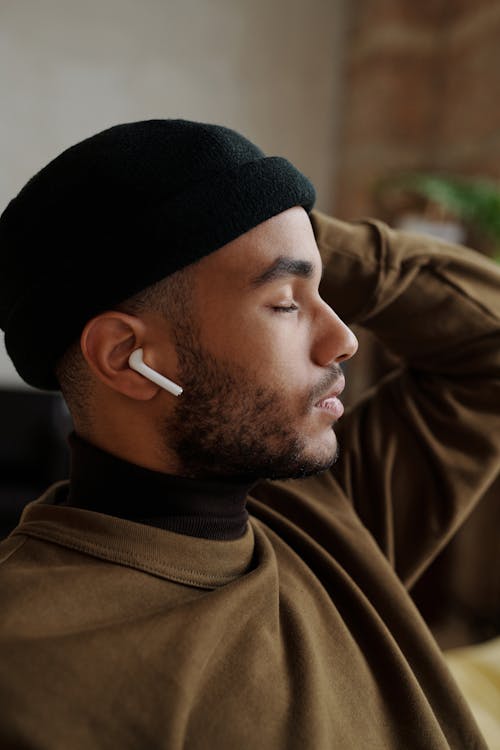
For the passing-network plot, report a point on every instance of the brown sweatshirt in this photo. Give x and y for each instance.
(300, 633)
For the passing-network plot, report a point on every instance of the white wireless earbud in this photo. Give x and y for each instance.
(137, 363)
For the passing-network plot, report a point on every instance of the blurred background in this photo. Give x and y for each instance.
(391, 107)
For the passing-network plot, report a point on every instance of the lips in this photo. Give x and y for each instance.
(330, 402)
(334, 392)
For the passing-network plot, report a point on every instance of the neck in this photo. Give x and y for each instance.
(122, 443)
(106, 483)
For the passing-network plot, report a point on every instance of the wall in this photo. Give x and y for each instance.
(420, 93)
(422, 82)
(68, 69)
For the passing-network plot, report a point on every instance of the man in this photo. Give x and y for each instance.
(168, 597)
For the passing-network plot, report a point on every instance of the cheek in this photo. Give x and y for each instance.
(280, 358)
(285, 371)
(285, 353)
(272, 350)
(226, 333)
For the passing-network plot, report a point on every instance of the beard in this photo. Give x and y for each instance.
(226, 424)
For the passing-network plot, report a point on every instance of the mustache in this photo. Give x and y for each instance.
(326, 383)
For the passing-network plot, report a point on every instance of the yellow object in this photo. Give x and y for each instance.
(477, 671)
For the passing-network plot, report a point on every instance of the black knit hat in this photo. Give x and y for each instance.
(118, 212)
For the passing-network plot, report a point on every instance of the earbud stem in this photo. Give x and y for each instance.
(137, 363)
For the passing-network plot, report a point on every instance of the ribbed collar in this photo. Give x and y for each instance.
(104, 483)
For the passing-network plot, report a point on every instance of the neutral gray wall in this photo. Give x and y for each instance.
(268, 68)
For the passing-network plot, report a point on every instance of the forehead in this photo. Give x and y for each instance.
(288, 235)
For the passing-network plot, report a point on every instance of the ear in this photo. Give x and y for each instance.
(107, 342)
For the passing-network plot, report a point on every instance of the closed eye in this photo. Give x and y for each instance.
(285, 308)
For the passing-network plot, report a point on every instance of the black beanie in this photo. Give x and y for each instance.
(118, 212)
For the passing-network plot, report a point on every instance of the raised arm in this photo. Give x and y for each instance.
(421, 447)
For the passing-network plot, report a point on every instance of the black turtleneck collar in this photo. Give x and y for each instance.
(208, 508)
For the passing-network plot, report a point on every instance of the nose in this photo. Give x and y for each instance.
(334, 340)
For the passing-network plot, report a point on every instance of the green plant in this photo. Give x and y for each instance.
(474, 201)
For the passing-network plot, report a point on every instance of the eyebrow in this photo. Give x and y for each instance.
(283, 267)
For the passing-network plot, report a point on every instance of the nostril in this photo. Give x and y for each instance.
(351, 346)
(334, 341)
(343, 357)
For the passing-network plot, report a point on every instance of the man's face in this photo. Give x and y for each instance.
(262, 359)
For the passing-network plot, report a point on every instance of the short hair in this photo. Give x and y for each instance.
(171, 297)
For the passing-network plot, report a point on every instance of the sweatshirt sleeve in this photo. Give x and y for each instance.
(423, 445)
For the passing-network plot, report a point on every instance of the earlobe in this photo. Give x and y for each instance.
(107, 342)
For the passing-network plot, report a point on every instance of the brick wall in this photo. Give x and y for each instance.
(422, 86)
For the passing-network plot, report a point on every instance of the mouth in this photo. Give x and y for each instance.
(331, 403)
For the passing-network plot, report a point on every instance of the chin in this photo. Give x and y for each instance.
(320, 459)
(328, 457)
(326, 445)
